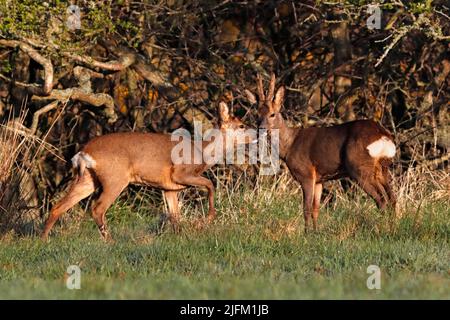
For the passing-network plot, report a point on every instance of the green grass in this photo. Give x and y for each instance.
(256, 249)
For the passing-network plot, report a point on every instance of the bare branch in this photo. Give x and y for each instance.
(36, 56)
(150, 73)
(131, 59)
(38, 113)
(34, 86)
(431, 30)
(400, 34)
(433, 163)
(95, 99)
(124, 61)
(250, 96)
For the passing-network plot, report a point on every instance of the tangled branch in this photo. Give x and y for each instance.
(36, 56)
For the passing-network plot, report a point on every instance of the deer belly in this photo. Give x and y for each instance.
(161, 180)
(331, 176)
(330, 169)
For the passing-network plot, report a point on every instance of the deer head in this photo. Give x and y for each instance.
(269, 104)
(232, 126)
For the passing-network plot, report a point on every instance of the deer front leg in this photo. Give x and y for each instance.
(192, 180)
(174, 209)
(308, 200)
(316, 205)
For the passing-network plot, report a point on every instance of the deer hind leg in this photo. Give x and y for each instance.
(111, 190)
(316, 203)
(174, 208)
(383, 183)
(369, 186)
(191, 180)
(368, 182)
(386, 182)
(80, 189)
(365, 172)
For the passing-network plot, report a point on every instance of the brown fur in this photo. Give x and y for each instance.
(315, 155)
(136, 158)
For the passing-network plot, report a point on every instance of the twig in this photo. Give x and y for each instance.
(433, 162)
(38, 113)
(398, 36)
(432, 31)
(19, 83)
(440, 12)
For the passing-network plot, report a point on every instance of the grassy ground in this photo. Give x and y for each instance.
(256, 249)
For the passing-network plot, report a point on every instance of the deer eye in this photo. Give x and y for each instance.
(272, 115)
(241, 126)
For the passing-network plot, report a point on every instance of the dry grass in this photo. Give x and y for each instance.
(414, 188)
(19, 151)
(21, 211)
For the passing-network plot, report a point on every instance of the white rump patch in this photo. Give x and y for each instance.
(382, 148)
(82, 156)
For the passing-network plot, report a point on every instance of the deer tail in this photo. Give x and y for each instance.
(81, 161)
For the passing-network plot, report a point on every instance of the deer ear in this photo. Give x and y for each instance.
(224, 113)
(279, 98)
(250, 96)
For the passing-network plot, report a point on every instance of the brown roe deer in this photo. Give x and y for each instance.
(113, 161)
(360, 150)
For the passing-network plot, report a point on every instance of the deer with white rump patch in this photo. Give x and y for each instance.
(114, 161)
(361, 150)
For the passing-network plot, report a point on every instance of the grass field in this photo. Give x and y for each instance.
(256, 249)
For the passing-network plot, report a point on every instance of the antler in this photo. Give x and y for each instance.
(261, 95)
(271, 87)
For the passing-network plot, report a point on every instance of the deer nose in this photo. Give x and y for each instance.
(262, 123)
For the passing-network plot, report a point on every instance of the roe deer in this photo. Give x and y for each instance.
(115, 160)
(361, 150)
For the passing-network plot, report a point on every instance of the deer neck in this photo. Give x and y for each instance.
(287, 137)
(217, 143)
